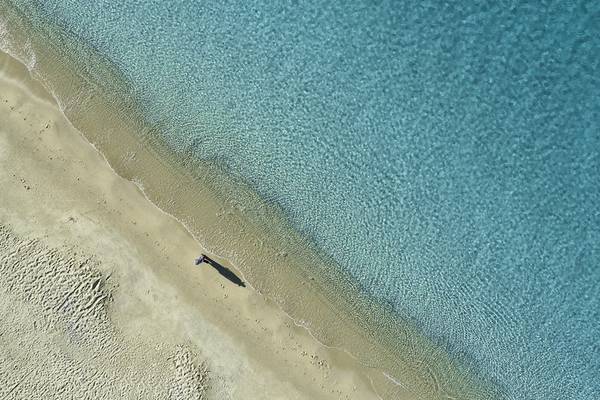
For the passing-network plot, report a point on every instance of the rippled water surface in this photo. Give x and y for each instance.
(447, 155)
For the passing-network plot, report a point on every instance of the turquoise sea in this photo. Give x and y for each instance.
(445, 154)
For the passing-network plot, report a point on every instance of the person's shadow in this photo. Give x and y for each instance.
(224, 271)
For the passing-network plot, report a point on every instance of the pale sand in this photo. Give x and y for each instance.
(106, 301)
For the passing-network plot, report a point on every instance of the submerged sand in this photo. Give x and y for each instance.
(99, 297)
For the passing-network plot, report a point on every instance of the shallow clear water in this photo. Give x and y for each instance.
(447, 156)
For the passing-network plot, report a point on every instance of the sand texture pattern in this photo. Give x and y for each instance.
(58, 341)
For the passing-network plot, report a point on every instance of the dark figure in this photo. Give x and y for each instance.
(200, 259)
(224, 271)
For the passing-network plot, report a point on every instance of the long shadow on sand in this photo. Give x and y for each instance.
(224, 271)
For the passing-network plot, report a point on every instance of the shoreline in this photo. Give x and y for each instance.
(157, 298)
(230, 217)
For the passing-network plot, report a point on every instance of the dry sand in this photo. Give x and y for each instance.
(99, 297)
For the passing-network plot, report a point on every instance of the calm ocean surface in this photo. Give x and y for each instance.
(448, 156)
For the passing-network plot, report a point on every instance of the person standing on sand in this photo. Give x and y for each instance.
(200, 259)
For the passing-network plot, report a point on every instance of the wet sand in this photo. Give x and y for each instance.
(99, 291)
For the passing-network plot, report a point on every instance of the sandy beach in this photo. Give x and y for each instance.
(90, 171)
(299, 200)
(99, 294)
